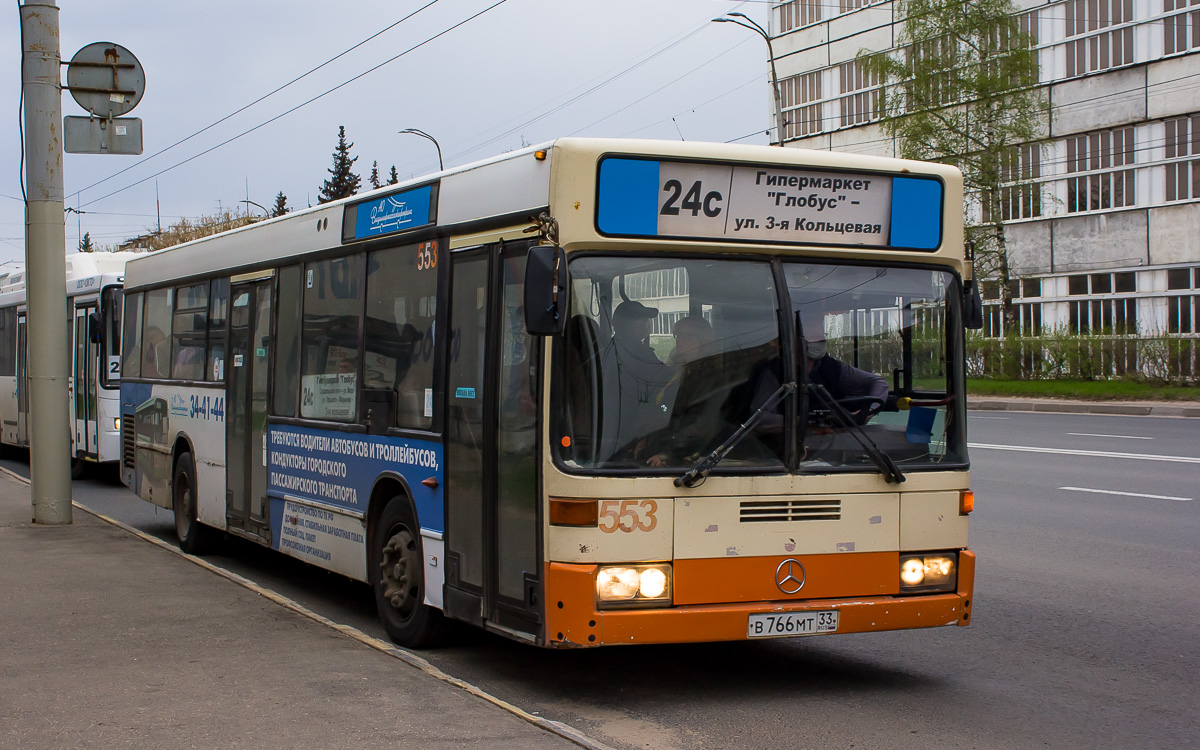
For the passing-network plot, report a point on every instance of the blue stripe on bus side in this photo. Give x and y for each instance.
(916, 213)
(627, 201)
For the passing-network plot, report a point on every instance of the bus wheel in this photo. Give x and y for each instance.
(194, 537)
(398, 577)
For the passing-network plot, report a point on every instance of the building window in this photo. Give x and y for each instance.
(800, 96)
(1101, 154)
(1181, 314)
(798, 13)
(1107, 49)
(845, 6)
(1181, 31)
(1024, 199)
(860, 89)
(1183, 140)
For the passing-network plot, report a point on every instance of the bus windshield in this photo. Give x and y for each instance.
(665, 358)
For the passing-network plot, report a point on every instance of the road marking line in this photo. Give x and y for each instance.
(1128, 494)
(978, 416)
(1123, 437)
(1093, 454)
(554, 727)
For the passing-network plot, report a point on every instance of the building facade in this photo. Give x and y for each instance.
(1107, 236)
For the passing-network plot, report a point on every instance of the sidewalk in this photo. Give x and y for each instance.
(1122, 408)
(110, 641)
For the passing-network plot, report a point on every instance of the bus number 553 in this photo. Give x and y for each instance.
(628, 515)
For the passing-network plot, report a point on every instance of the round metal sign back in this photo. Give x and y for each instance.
(106, 79)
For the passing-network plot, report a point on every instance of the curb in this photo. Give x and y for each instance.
(1080, 407)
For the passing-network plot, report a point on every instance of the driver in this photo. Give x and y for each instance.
(844, 381)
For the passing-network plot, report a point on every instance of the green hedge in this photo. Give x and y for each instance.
(1058, 355)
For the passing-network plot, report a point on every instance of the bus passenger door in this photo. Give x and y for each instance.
(246, 408)
(84, 376)
(493, 544)
(22, 381)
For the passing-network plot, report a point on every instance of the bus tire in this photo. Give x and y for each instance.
(397, 573)
(194, 537)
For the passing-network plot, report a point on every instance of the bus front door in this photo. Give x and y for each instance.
(84, 384)
(22, 381)
(246, 507)
(493, 517)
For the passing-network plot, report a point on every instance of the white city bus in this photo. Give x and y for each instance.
(560, 394)
(94, 308)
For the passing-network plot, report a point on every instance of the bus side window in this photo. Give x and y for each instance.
(330, 361)
(8, 342)
(287, 342)
(156, 347)
(218, 310)
(188, 329)
(401, 301)
(131, 337)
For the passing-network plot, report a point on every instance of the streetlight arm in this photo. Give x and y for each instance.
(752, 25)
(423, 134)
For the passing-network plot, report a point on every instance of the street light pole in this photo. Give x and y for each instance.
(264, 208)
(50, 422)
(746, 22)
(423, 134)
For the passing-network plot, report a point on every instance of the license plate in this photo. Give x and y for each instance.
(792, 623)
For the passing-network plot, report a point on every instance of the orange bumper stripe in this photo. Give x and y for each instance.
(572, 619)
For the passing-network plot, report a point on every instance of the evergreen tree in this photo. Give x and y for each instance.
(280, 208)
(374, 178)
(393, 178)
(961, 89)
(85, 243)
(342, 182)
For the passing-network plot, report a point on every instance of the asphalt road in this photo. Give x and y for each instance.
(1085, 634)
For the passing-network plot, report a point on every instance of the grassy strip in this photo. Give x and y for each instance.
(1090, 390)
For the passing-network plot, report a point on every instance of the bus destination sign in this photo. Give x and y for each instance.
(398, 212)
(773, 204)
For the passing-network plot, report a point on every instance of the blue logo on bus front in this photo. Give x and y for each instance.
(339, 469)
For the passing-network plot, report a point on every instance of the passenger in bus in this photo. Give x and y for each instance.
(694, 340)
(156, 354)
(641, 376)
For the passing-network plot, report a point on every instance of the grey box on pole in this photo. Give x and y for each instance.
(95, 135)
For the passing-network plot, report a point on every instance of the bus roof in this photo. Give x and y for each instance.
(515, 186)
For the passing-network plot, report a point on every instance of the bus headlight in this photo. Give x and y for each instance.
(634, 585)
(924, 573)
(116, 424)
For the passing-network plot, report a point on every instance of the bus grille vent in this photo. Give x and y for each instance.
(127, 442)
(765, 511)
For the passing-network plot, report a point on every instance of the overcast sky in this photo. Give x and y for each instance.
(525, 71)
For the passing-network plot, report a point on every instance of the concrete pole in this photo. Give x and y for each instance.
(49, 366)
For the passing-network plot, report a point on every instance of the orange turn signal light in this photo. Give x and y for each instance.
(582, 513)
(966, 502)
(540, 154)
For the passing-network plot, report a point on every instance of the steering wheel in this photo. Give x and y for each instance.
(865, 406)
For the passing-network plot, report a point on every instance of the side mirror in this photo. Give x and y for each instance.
(972, 306)
(95, 328)
(545, 290)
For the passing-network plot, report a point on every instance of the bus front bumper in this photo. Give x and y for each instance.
(574, 621)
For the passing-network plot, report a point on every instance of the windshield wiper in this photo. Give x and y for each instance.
(886, 465)
(698, 472)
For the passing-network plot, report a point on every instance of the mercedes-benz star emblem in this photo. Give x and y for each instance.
(789, 576)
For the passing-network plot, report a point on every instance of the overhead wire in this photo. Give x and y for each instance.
(301, 105)
(265, 96)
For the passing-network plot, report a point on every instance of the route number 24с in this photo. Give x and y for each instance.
(694, 200)
(628, 515)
